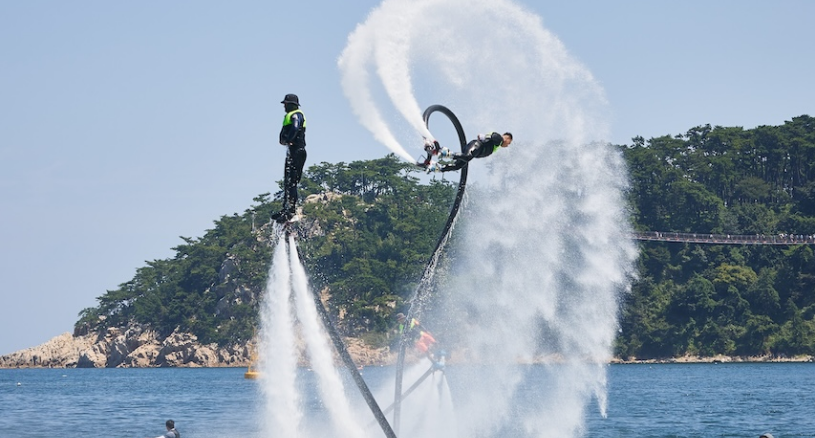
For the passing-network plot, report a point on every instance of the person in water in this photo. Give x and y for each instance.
(293, 136)
(171, 432)
(482, 146)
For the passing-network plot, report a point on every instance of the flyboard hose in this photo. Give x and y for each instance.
(412, 387)
(423, 289)
(349, 363)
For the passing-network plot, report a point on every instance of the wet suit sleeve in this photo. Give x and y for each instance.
(495, 139)
(491, 139)
(485, 145)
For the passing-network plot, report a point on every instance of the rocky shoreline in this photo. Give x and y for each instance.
(137, 347)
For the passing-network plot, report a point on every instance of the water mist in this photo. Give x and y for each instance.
(320, 354)
(278, 357)
(283, 328)
(543, 248)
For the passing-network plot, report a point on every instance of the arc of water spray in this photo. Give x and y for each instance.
(389, 50)
(357, 92)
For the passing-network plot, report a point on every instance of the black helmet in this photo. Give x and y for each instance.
(291, 98)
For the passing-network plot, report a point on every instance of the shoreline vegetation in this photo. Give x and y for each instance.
(718, 359)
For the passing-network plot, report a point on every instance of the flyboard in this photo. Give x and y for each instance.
(423, 289)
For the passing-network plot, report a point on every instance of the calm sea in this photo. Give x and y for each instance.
(675, 400)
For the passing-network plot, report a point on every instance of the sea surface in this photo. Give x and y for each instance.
(664, 400)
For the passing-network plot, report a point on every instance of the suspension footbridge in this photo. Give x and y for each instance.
(726, 239)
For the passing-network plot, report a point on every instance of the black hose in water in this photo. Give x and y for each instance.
(423, 289)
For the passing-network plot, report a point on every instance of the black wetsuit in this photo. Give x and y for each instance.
(475, 149)
(293, 134)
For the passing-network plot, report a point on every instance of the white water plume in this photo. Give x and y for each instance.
(490, 61)
(428, 411)
(544, 243)
(278, 358)
(320, 354)
(546, 255)
(387, 50)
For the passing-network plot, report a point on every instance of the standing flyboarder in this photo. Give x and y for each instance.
(293, 135)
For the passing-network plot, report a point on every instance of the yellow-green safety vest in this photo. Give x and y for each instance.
(287, 118)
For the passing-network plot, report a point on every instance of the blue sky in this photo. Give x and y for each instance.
(126, 125)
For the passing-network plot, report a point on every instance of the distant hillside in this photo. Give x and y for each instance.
(715, 299)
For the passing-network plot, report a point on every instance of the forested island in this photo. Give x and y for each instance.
(369, 227)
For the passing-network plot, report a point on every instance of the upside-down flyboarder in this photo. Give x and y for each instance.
(482, 146)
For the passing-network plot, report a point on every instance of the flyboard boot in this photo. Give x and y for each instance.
(433, 148)
(284, 215)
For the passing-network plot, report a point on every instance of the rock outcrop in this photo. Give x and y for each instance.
(136, 347)
(366, 356)
(133, 346)
(62, 351)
